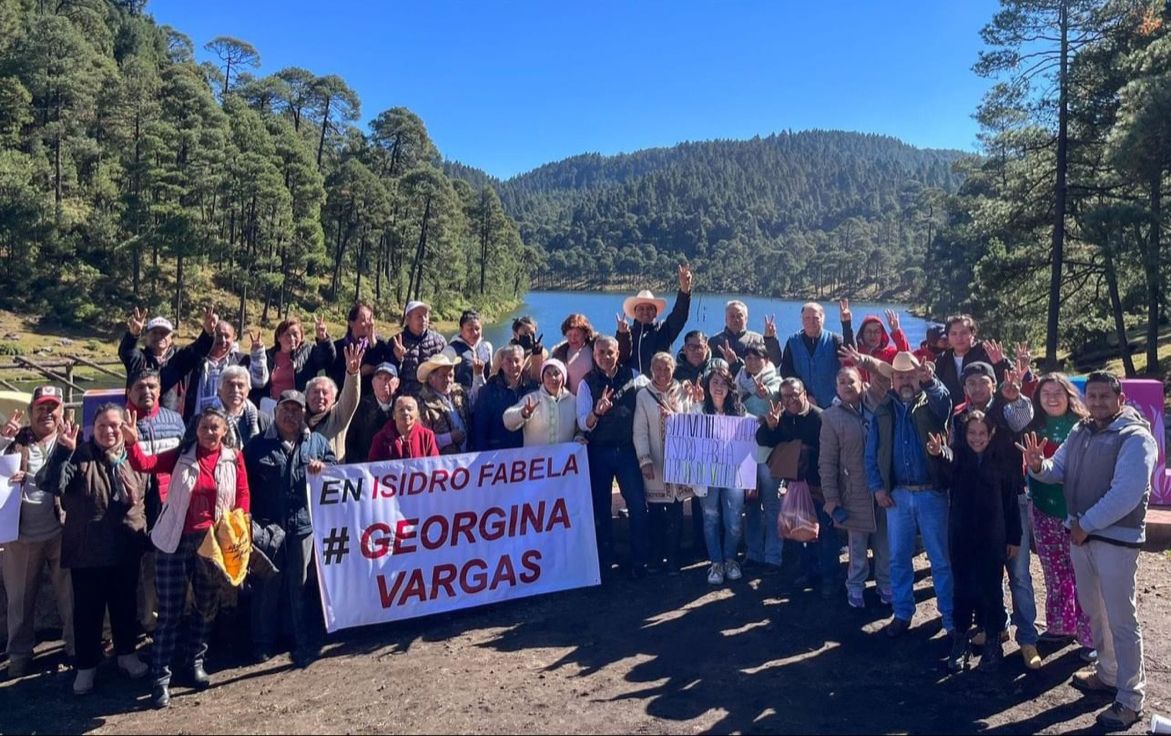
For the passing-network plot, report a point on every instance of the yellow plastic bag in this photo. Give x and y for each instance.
(228, 546)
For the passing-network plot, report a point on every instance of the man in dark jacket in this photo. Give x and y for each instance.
(605, 413)
(414, 345)
(160, 354)
(359, 331)
(203, 385)
(964, 349)
(649, 336)
(374, 411)
(797, 419)
(277, 463)
(504, 390)
(733, 341)
(908, 486)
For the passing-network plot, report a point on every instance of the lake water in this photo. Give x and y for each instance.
(549, 308)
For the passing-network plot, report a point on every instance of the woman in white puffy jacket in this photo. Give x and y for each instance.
(656, 401)
(547, 415)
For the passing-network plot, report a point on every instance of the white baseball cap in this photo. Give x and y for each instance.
(160, 323)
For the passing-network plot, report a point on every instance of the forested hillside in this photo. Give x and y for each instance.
(132, 173)
(813, 212)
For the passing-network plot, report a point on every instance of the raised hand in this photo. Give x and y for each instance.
(844, 309)
(761, 389)
(130, 427)
(136, 322)
(320, 331)
(530, 406)
(935, 443)
(1011, 388)
(694, 391)
(1024, 358)
(770, 325)
(850, 353)
(210, 319)
(353, 355)
(684, 278)
(926, 372)
(67, 431)
(1033, 450)
(400, 350)
(254, 338)
(604, 404)
(538, 346)
(892, 319)
(623, 324)
(12, 426)
(728, 353)
(995, 351)
(773, 418)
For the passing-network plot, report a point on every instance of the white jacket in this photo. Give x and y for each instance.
(553, 421)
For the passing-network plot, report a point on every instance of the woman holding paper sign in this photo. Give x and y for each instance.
(659, 399)
(718, 395)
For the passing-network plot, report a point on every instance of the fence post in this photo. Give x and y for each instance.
(69, 375)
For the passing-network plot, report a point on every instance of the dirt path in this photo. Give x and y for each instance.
(666, 655)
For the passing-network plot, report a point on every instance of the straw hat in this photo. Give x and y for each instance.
(440, 360)
(905, 362)
(643, 297)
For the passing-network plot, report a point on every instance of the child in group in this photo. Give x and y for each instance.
(984, 534)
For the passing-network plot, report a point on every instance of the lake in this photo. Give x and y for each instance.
(549, 308)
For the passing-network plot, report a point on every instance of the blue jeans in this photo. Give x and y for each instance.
(925, 512)
(732, 501)
(822, 559)
(606, 464)
(762, 540)
(1020, 583)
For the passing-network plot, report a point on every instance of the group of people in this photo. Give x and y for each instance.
(952, 442)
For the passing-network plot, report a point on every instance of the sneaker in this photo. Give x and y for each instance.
(1118, 717)
(715, 574)
(885, 597)
(1088, 655)
(1031, 656)
(855, 600)
(732, 570)
(83, 684)
(1088, 682)
(897, 627)
(132, 666)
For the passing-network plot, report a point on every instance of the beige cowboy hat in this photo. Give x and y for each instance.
(440, 360)
(643, 297)
(904, 362)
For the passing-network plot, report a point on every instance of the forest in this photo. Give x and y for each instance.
(807, 213)
(131, 173)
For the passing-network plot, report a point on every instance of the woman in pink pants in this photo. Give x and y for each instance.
(1057, 408)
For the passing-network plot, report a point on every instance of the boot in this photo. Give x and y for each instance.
(991, 655)
(160, 697)
(957, 659)
(83, 684)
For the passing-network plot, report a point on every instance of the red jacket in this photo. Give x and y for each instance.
(886, 351)
(389, 445)
(201, 509)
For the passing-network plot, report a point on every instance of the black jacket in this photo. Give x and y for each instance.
(646, 340)
(276, 479)
(174, 368)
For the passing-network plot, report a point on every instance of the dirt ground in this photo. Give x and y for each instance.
(662, 655)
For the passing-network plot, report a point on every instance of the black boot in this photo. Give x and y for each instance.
(992, 653)
(160, 697)
(199, 678)
(957, 659)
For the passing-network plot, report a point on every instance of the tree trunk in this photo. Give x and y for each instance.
(1151, 266)
(484, 239)
(413, 287)
(1116, 309)
(324, 127)
(1057, 257)
(178, 290)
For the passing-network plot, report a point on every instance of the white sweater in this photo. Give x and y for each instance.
(553, 421)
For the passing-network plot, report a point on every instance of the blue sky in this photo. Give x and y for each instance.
(508, 86)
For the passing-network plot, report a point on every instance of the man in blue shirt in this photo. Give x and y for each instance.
(905, 484)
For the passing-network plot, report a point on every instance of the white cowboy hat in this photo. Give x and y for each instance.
(905, 362)
(440, 360)
(643, 297)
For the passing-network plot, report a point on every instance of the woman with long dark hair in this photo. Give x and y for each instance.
(720, 397)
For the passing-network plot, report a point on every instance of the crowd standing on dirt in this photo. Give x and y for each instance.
(862, 440)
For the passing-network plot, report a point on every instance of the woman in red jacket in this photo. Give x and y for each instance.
(404, 436)
(208, 479)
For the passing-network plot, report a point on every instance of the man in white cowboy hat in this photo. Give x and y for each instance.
(414, 345)
(444, 408)
(648, 335)
(905, 483)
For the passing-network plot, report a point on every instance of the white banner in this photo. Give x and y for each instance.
(407, 538)
(9, 498)
(710, 450)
